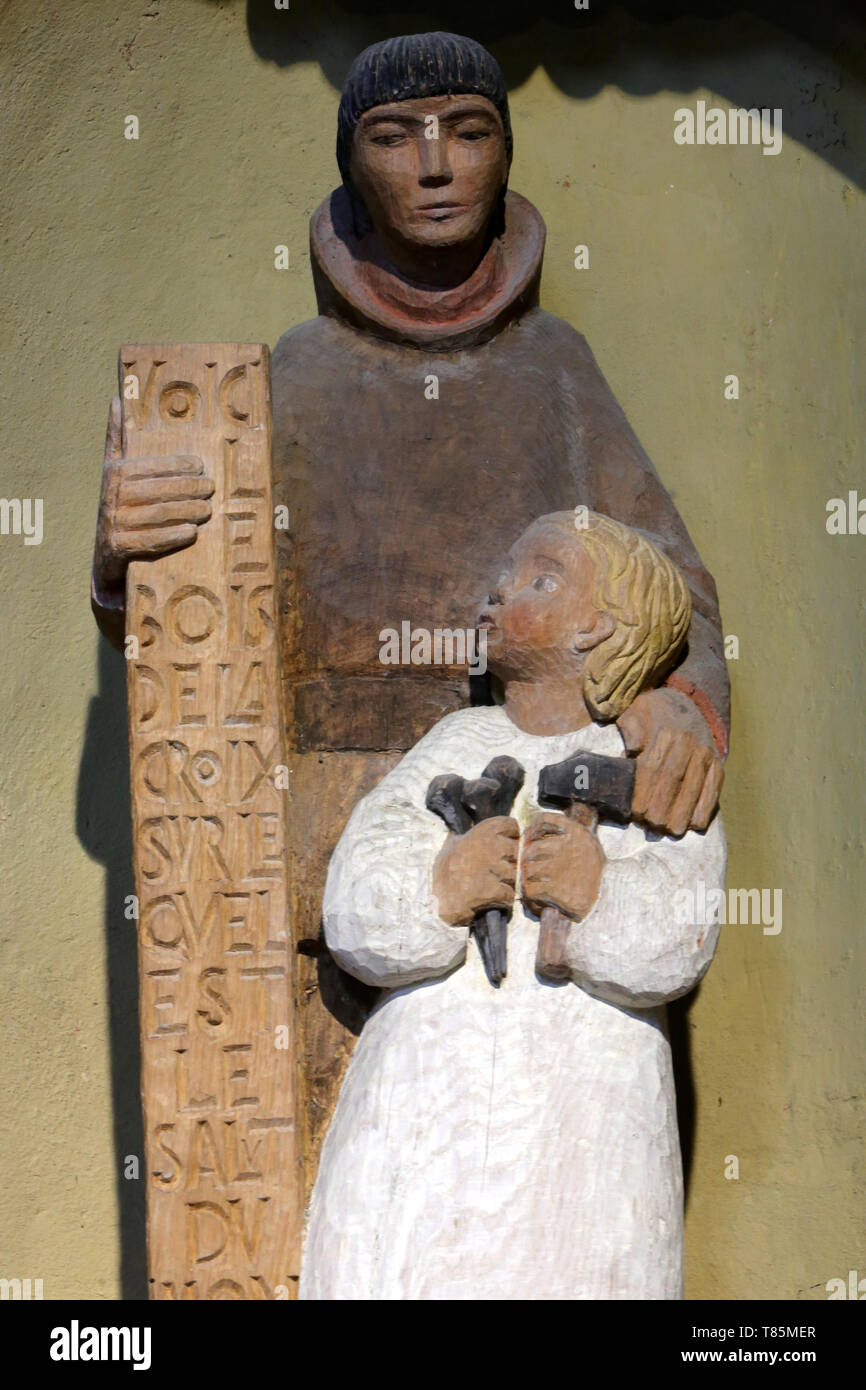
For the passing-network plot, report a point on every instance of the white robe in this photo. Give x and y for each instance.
(507, 1143)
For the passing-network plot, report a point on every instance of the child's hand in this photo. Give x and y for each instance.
(476, 871)
(562, 865)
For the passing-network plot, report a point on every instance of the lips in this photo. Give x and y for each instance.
(485, 623)
(440, 211)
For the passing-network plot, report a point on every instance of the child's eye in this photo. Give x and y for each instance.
(545, 582)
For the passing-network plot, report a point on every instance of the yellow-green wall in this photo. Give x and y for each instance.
(703, 262)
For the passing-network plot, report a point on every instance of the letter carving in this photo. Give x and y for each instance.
(209, 822)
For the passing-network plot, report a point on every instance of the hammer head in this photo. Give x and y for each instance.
(481, 797)
(593, 780)
(464, 803)
(509, 775)
(445, 799)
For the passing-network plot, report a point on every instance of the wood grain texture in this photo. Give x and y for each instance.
(209, 823)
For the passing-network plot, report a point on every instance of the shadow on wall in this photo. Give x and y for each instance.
(793, 54)
(103, 827)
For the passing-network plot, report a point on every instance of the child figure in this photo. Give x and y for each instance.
(519, 1142)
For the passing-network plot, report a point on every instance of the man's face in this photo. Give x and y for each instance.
(435, 192)
(540, 611)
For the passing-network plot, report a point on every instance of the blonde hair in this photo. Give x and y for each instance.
(647, 595)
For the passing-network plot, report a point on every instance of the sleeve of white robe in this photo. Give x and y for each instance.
(380, 917)
(641, 944)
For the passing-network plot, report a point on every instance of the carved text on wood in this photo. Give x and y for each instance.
(209, 812)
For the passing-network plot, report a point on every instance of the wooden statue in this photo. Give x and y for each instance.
(519, 1141)
(420, 422)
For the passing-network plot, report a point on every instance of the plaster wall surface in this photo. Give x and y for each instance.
(703, 261)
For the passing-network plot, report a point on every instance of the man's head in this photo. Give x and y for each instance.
(601, 600)
(424, 139)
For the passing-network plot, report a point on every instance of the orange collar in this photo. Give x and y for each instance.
(353, 283)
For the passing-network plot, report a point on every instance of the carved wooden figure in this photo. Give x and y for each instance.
(519, 1141)
(431, 391)
(209, 831)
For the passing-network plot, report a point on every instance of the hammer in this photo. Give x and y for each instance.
(463, 803)
(587, 785)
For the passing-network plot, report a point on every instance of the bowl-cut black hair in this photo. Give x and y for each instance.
(417, 65)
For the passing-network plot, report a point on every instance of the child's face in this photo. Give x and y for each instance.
(540, 613)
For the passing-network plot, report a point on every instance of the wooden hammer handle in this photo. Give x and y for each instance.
(551, 958)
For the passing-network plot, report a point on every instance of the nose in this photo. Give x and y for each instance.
(434, 169)
(496, 595)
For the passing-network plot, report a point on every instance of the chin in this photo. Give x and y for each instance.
(500, 664)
